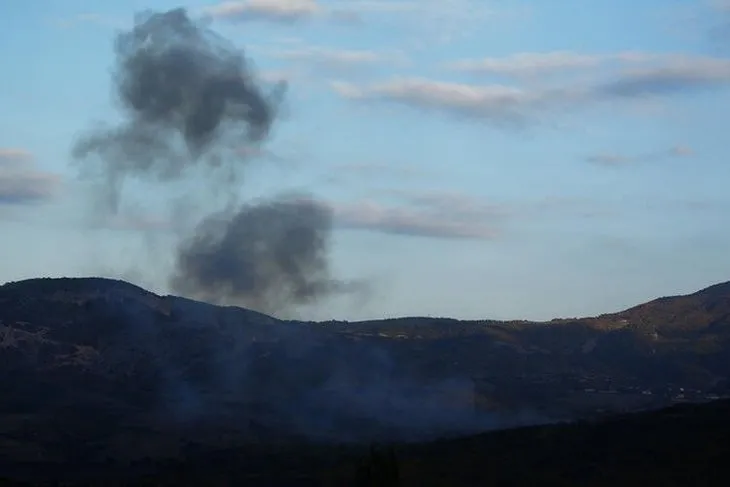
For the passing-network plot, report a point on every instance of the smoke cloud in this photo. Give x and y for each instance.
(192, 106)
(188, 97)
(264, 256)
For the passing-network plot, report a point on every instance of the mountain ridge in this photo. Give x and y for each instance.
(105, 363)
(715, 291)
(718, 290)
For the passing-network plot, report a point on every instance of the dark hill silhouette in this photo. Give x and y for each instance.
(97, 370)
(677, 446)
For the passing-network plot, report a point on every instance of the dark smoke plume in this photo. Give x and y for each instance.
(191, 109)
(187, 96)
(264, 256)
(191, 103)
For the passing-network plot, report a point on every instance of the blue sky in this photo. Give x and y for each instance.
(484, 159)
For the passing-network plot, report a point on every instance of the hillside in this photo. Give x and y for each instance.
(684, 340)
(97, 371)
(706, 311)
(678, 446)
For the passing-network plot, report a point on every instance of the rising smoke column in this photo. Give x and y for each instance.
(191, 103)
(190, 109)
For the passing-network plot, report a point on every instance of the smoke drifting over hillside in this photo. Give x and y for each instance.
(288, 378)
(191, 106)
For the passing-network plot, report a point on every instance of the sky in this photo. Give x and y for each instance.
(484, 159)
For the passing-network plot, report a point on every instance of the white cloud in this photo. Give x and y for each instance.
(437, 214)
(272, 10)
(669, 74)
(21, 182)
(419, 22)
(614, 159)
(497, 103)
(455, 215)
(540, 63)
(634, 76)
(11, 156)
(427, 220)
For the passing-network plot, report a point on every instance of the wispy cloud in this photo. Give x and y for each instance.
(427, 20)
(647, 75)
(678, 74)
(424, 221)
(455, 215)
(570, 62)
(614, 159)
(27, 188)
(432, 215)
(21, 182)
(435, 214)
(13, 157)
(660, 71)
(499, 104)
(269, 10)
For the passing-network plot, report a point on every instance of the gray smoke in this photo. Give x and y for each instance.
(192, 111)
(264, 256)
(188, 98)
(192, 107)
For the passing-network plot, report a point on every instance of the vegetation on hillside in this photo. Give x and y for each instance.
(679, 446)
